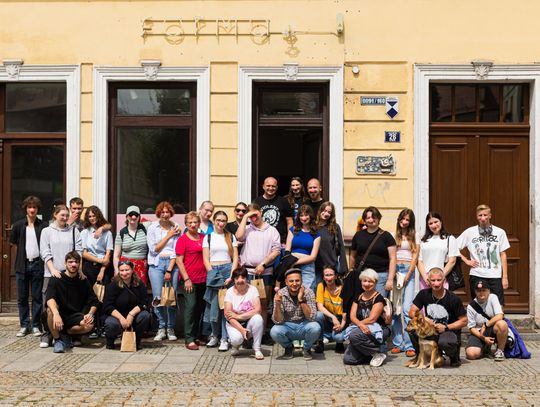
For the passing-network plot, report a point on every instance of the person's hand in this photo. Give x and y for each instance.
(489, 340)
(124, 322)
(227, 282)
(100, 276)
(56, 274)
(177, 228)
(188, 286)
(472, 263)
(336, 325)
(250, 214)
(364, 328)
(277, 297)
(72, 218)
(301, 293)
(171, 232)
(57, 322)
(259, 270)
(505, 283)
(440, 328)
(98, 232)
(167, 277)
(389, 284)
(82, 276)
(426, 281)
(105, 261)
(88, 318)
(343, 324)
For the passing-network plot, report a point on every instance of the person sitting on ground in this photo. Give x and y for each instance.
(368, 330)
(125, 305)
(294, 313)
(243, 313)
(445, 311)
(484, 332)
(330, 317)
(71, 304)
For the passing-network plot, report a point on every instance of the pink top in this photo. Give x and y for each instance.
(193, 257)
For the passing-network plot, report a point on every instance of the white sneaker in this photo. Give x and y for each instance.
(213, 342)
(377, 359)
(22, 332)
(499, 355)
(36, 331)
(171, 335)
(326, 341)
(235, 351)
(223, 345)
(161, 334)
(44, 344)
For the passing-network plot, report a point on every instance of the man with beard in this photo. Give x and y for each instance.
(314, 190)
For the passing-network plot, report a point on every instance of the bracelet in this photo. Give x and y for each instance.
(129, 313)
(168, 271)
(187, 279)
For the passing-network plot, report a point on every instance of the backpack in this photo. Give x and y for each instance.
(124, 230)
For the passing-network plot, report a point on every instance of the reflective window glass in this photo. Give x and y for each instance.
(465, 103)
(35, 107)
(153, 102)
(441, 103)
(513, 103)
(276, 103)
(488, 96)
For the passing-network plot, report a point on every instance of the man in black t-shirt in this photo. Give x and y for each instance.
(275, 209)
(445, 311)
(314, 190)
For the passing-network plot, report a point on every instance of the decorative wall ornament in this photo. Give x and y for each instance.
(373, 165)
(13, 67)
(151, 68)
(482, 68)
(291, 71)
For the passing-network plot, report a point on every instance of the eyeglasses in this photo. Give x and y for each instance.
(125, 263)
(240, 210)
(131, 214)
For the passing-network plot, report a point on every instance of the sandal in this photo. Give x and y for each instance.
(259, 355)
(410, 353)
(192, 346)
(395, 349)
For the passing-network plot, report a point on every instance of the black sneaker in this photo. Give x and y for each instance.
(319, 348)
(455, 362)
(306, 353)
(110, 343)
(288, 354)
(340, 347)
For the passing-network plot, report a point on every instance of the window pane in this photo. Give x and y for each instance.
(513, 103)
(152, 102)
(465, 103)
(152, 166)
(441, 103)
(489, 103)
(35, 107)
(290, 104)
(39, 171)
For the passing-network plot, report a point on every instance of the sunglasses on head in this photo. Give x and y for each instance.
(133, 214)
(239, 210)
(125, 263)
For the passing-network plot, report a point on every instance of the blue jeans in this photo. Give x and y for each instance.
(166, 317)
(31, 279)
(308, 276)
(383, 278)
(327, 329)
(212, 314)
(287, 332)
(401, 337)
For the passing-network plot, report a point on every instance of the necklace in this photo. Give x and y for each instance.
(438, 299)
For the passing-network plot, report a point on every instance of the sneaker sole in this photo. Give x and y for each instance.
(43, 345)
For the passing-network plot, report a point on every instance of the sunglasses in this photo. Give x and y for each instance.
(125, 263)
(240, 210)
(131, 214)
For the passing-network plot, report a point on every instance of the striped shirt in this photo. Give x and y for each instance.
(134, 248)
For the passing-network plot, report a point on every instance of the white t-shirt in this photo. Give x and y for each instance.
(486, 250)
(32, 247)
(435, 251)
(219, 251)
(242, 303)
(491, 307)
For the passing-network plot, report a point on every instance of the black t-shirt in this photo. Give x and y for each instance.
(364, 308)
(315, 205)
(298, 202)
(446, 310)
(378, 258)
(275, 211)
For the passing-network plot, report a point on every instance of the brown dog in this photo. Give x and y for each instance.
(428, 348)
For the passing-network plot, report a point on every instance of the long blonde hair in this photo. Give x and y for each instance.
(227, 234)
(409, 232)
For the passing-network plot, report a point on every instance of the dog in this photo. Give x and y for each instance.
(428, 349)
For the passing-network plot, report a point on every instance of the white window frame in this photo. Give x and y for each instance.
(105, 74)
(70, 74)
(331, 74)
(424, 74)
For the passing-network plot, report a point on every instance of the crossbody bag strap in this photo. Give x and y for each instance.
(479, 309)
(366, 254)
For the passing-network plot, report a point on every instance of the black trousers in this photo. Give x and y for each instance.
(449, 342)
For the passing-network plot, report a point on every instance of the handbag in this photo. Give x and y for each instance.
(221, 297)
(129, 341)
(99, 290)
(258, 283)
(168, 296)
(455, 277)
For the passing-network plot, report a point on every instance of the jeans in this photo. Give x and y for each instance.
(31, 279)
(327, 331)
(401, 337)
(141, 324)
(166, 315)
(383, 278)
(287, 332)
(193, 310)
(308, 276)
(212, 314)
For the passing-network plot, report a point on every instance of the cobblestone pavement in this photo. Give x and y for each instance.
(167, 374)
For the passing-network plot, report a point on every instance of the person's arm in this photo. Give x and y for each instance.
(234, 265)
(391, 268)
(290, 222)
(277, 314)
(188, 285)
(116, 258)
(374, 314)
(206, 254)
(448, 267)
(412, 266)
(288, 243)
(246, 316)
(313, 255)
(57, 319)
(241, 231)
(307, 303)
(354, 320)
(352, 259)
(161, 244)
(504, 265)
(102, 229)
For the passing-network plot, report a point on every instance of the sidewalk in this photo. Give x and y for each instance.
(169, 374)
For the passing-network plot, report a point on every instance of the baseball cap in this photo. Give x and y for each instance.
(133, 208)
(481, 284)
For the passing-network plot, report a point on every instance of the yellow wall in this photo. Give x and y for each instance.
(384, 39)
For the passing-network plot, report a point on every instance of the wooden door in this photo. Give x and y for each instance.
(469, 167)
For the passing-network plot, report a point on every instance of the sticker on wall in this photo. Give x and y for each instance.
(392, 106)
(373, 165)
(372, 100)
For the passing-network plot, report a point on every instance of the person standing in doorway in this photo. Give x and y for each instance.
(314, 190)
(25, 235)
(487, 245)
(297, 195)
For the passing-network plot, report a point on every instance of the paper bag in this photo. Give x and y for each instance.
(258, 283)
(221, 297)
(99, 290)
(168, 296)
(129, 342)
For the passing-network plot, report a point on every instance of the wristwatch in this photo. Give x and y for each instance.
(446, 327)
(302, 302)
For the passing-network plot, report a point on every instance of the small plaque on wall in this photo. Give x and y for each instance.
(372, 100)
(373, 165)
(392, 136)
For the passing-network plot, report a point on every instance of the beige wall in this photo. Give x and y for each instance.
(384, 39)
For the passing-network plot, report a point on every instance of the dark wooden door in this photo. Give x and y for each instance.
(473, 166)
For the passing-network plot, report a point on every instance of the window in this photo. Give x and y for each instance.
(152, 145)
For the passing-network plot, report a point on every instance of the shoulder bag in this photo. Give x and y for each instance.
(455, 277)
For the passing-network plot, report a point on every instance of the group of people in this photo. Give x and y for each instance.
(282, 257)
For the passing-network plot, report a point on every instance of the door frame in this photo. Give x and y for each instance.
(424, 74)
(70, 74)
(331, 74)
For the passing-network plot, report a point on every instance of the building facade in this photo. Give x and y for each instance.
(409, 104)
